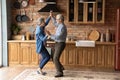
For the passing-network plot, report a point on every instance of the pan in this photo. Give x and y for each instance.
(18, 17)
(17, 4)
(24, 17)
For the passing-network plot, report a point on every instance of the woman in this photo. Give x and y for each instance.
(40, 43)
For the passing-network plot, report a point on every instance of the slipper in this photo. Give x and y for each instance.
(38, 72)
(44, 73)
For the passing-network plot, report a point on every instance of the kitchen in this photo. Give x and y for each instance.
(77, 27)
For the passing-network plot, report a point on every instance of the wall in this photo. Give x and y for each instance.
(73, 29)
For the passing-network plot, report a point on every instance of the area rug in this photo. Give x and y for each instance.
(31, 74)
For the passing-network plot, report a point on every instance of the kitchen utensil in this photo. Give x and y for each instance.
(17, 4)
(24, 17)
(31, 15)
(24, 3)
(94, 35)
(18, 17)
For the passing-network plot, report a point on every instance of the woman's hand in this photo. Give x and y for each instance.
(51, 13)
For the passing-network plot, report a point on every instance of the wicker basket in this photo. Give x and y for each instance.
(16, 37)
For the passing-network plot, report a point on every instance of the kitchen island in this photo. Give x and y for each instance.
(100, 56)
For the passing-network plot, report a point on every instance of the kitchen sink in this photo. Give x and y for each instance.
(85, 43)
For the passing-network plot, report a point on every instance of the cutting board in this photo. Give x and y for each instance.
(94, 35)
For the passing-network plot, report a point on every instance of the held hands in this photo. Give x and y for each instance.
(47, 32)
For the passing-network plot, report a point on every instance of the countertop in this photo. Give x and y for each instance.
(68, 42)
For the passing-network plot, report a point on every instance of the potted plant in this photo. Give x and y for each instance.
(15, 29)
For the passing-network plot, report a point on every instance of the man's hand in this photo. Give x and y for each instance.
(47, 32)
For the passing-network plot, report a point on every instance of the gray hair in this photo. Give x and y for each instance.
(60, 16)
(40, 20)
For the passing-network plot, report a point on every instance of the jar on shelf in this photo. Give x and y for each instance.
(102, 37)
(27, 36)
(107, 35)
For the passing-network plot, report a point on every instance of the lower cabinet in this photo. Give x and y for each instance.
(100, 56)
(85, 56)
(14, 55)
(22, 53)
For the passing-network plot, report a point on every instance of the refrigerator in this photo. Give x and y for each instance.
(117, 55)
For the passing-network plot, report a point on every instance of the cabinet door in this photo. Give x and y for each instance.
(100, 56)
(85, 12)
(25, 53)
(109, 56)
(100, 11)
(85, 56)
(70, 55)
(13, 52)
(71, 11)
(90, 11)
(33, 55)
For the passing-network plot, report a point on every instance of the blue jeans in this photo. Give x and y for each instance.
(45, 58)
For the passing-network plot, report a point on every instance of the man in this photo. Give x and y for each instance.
(60, 42)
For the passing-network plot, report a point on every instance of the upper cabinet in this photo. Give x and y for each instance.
(86, 11)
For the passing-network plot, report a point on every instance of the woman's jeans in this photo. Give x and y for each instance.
(45, 58)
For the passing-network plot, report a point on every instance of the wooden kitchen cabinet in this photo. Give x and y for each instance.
(25, 53)
(34, 60)
(14, 56)
(85, 56)
(28, 54)
(70, 55)
(100, 56)
(22, 53)
(91, 11)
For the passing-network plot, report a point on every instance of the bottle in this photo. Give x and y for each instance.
(102, 37)
(27, 36)
(23, 37)
(107, 35)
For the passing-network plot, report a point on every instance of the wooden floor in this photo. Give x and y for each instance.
(8, 73)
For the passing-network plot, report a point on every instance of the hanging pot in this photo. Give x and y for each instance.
(17, 4)
(24, 17)
(18, 17)
(24, 3)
